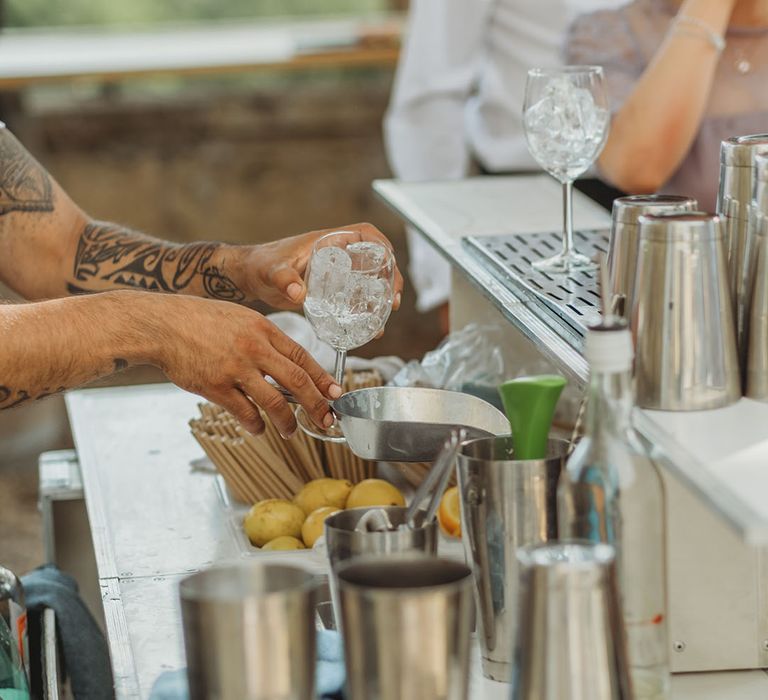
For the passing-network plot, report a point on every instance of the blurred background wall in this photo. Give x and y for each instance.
(246, 155)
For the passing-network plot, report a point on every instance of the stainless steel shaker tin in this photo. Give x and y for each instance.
(343, 542)
(760, 190)
(690, 227)
(682, 317)
(738, 151)
(734, 200)
(570, 640)
(622, 250)
(757, 357)
(407, 625)
(249, 632)
(505, 504)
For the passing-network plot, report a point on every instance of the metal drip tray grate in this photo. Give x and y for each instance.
(575, 298)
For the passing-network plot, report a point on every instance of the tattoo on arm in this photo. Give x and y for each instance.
(24, 185)
(110, 256)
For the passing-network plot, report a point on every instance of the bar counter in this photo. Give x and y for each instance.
(153, 519)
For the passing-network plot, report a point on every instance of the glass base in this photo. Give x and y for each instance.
(563, 263)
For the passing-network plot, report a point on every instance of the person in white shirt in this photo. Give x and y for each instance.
(458, 96)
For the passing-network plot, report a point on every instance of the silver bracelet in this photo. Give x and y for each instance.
(699, 28)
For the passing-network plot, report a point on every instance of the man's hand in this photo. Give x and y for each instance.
(219, 350)
(274, 272)
(223, 352)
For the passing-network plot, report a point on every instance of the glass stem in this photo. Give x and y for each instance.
(338, 372)
(567, 217)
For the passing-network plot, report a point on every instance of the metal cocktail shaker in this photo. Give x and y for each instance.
(249, 632)
(622, 250)
(757, 358)
(407, 624)
(505, 504)
(570, 640)
(734, 198)
(682, 317)
(344, 542)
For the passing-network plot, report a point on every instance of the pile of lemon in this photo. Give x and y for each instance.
(277, 524)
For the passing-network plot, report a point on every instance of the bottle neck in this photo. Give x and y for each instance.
(611, 400)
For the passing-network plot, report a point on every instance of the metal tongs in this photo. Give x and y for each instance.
(432, 488)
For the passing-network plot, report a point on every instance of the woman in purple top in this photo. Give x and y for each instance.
(682, 75)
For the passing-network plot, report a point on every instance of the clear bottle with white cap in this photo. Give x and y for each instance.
(611, 491)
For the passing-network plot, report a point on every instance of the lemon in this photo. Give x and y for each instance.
(283, 543)
(273, 518)
(374, 492)
(313, 525)
(449, 513)
(323, 492)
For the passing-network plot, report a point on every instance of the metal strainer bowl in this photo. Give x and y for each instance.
(407, 424)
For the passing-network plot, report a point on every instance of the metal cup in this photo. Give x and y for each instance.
(570, 640)
(249, 632)
(734, 198)
(343, 542)
(505, 504)
(757, 359)
(622, 250)
(407, 624)
(682, 318)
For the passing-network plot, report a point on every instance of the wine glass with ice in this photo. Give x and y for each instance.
(566, 118)
(350, 289)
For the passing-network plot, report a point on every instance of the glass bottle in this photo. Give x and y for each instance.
(611, 491)
(13, 610)
(13, 678)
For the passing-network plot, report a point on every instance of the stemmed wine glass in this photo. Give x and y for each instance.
(565, 117)
(350, 290)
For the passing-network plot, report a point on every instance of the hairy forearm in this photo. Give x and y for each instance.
(655, 127)
(51, 346)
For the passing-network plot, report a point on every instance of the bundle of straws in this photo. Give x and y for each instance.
(266, 466)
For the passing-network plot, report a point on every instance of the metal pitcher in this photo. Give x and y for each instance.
(249, 632)
(622, 250)
(734, 198)
(505, 504)
(570, 640)
(682, 316)
(407, 624)
(757, 359)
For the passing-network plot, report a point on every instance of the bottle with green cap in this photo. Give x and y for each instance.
(611, 491)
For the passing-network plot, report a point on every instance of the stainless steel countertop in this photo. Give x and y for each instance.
(699, 447)
(153, 521)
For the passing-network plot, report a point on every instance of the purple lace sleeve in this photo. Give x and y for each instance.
(606, 38)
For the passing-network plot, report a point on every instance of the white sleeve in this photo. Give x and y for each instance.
(439, 65)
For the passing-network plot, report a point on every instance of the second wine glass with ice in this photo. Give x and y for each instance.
(350, 290)
(566, 120)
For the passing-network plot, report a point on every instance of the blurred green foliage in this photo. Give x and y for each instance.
(45, 13)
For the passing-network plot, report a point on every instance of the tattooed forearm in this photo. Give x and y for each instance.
(24, 185)
(10, 398)
(110, 257)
